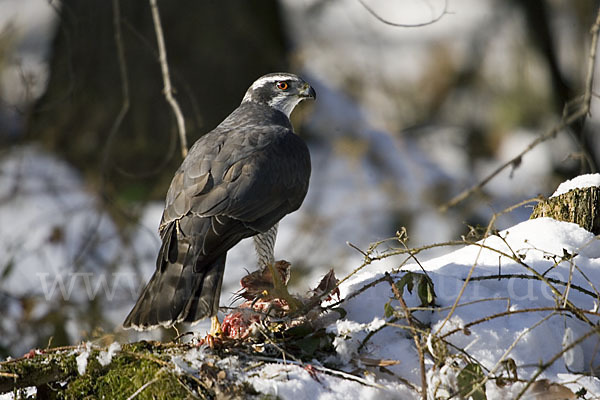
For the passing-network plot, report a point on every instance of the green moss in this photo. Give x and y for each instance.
(55, 375)
(55, 366)
(123, 376)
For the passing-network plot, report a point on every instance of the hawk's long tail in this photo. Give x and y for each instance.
(176, 293)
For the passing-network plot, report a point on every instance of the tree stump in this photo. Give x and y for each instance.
(581, 206)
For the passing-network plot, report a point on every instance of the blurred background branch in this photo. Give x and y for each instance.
(164, 67)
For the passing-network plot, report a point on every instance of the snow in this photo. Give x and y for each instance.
(82, 359)
(60, 251)
(105, 356)
(287, 381)
(30, 391)
(579, 182)
(49, 207)
(559, 250)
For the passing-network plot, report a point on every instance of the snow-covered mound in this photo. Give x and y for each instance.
(579, 182)
(530, 297)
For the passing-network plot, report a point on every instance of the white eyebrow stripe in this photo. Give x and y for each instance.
(270, 79)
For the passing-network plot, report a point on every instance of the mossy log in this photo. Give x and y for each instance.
(38, 376)
(144, 369)
(581, 206)
(36, 370)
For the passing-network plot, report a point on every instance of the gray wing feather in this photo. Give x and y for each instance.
(246, 183)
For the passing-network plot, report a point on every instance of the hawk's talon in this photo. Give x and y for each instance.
(211, 341)
(215, 327)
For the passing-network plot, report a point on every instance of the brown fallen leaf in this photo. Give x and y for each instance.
(328, 284)
(546, 390)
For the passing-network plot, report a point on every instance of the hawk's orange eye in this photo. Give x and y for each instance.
(282, 85)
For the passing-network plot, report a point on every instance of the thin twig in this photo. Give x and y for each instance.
(144, 386)
(525, 276)
(412, 252)
(569, 282)
(514, 161)
(329, 371)
(589, 79)
(187, 388)
(510, 348)
(468, 303)
(488, 318)
(482, 246)
(123, 74)
(168, 89)
(398, 25)
(355, 247)
(466, 281)
(415, 334)
(575, 310)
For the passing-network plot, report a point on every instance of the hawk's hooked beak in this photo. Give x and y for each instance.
(307, 92)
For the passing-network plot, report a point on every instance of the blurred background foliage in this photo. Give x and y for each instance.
(405, 119)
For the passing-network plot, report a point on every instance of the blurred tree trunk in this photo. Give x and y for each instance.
(538, 22)
(215, 51)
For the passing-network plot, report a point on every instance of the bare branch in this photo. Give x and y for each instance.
(589, 80)
(466, 282)
(329, 371)
(124, 80)
(525, 276)
(415, 335)
(168, 89)
(387, 22)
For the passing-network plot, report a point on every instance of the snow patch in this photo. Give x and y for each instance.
(82, 359)
(28, 392)
(105, 357)
(579, 182)
(287, 381)
(546, 246)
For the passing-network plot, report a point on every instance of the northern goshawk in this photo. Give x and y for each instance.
(237, 181)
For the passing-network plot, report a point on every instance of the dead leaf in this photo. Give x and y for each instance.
(546, 390)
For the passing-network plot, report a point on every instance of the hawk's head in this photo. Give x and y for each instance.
(282, 91)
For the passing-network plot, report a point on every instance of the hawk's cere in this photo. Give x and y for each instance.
(237, 181)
